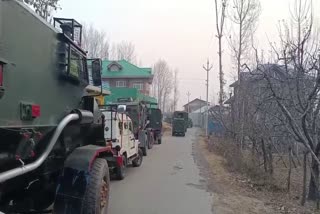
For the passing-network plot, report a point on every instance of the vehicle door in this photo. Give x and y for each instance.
(133, 143)
(126, 134)
(123, 136)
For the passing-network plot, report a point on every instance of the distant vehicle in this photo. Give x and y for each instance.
(179, 123)
(190, 123)
(155, 123)
(124, 148)
(184, 116)
(178, 127)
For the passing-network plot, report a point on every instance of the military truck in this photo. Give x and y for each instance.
(52, 146)
(155, 123)
(180, 123)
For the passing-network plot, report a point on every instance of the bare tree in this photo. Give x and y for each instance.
(43, 7)
(168, 81)
(163, 82)
(244, 14)
(95, 42)
(175, 90)
(220, 9)
(295, 89)
(124, 50)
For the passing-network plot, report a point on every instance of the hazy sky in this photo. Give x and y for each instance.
(180, 31)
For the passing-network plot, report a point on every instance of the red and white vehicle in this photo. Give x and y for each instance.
(123, 146)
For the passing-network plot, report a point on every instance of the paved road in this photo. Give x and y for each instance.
(168, 182)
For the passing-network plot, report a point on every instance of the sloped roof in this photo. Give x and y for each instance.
(229, 101)
(195, 100)
(126, 69)
(275, 70)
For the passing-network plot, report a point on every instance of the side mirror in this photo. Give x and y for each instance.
(121, 108)
(96, 68)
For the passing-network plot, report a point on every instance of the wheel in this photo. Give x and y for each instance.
(96, 198)
(121, 170)
(138, 161)
(173, 133)
(183, 134)
(150, 141)
(144, 151)
(159, 140)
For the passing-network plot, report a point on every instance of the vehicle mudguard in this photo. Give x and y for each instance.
(74, 179)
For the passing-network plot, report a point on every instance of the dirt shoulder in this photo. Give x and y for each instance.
(236, 194)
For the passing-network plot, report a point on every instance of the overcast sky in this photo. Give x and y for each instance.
(179, 31)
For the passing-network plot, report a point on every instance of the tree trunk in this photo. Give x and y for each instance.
(221, 75)
(289, 171)
(314, 178)
(304, 186)
(253, 149)
(270, 159)
(264, 155)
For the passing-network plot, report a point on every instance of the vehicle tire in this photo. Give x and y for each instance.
(159, 140)
(173, 133)
(183, 134)
(96, 198)
(121, 171)
(144, 151)
(138, 161)
(150, 141)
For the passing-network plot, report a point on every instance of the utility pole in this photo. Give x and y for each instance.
(188, 94)
(200, 119)
(207, 69)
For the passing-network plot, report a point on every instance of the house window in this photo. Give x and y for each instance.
(121, 84)
(114, 68)
(138, 86)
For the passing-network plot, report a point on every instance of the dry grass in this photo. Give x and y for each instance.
(245, 175)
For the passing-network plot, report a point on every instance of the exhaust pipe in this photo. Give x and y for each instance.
(74, 116)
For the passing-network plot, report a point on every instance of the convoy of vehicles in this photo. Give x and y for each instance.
(59, 141)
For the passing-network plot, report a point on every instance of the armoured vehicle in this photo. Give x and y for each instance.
(178, 127)
(181, 115)
(52, 147)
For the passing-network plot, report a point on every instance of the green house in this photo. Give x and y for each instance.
(123, 74)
